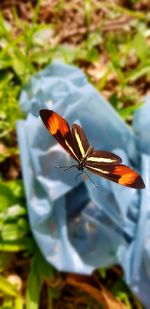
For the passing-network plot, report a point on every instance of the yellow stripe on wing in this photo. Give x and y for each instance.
(101, 160)
(71, 149)
(79, 143)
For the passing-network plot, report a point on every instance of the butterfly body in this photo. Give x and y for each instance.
(102, 163)
(82, 162)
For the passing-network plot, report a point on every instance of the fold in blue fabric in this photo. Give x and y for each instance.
(77, 227)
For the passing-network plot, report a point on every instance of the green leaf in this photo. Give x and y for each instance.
(7, 287)
(93, 40)
(91, 55)
(139, 43)
(140, 71)
(40, 270)
(3, 156)
(8, 304)
(5, 259)
(19, 245)
(103, 80)
(102, 272)
(15, 211)
(42, 35)
(123, 297)
(66, 52)
(125, 112)
(59, 6)
(115, 64)
(15, 231)
(18, 302)
(6, 196)
(88, 12)
(41, 58)
(19, 67)
(34, 285)
(114, 100)
(11, 193)
(17, 188)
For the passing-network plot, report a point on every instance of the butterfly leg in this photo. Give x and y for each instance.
(79, 175)
(95, 185)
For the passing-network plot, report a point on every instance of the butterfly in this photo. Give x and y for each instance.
(102, 163)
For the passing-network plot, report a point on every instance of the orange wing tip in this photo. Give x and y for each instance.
(129, 181)
(54, 122)
(129, 177)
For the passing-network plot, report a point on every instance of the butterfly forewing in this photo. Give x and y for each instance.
(60, 129)
(80, 140)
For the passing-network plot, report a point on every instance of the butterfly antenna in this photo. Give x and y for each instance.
(95, 185)
(66, 167)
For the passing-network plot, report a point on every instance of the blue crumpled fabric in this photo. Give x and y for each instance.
(77, 227)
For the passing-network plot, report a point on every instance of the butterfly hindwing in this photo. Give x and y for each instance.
(119, 173)
(60, 129)
(103, 158)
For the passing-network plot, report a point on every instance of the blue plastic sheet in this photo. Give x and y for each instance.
(77, 227)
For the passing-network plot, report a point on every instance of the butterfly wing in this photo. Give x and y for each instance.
(119, 173)
(80, 140)
(60, 129)
(102, 158)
